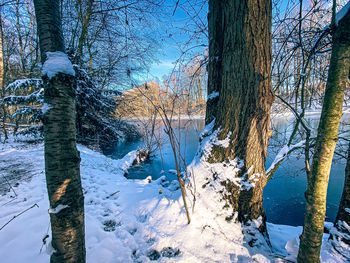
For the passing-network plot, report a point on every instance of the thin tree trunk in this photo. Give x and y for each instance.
(62, 159)
(239, 70)
(84, 30)
(2, 78)
(311, 239)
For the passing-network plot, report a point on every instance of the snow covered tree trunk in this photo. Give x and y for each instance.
(62, 159)
(327, 137)
(240, 95)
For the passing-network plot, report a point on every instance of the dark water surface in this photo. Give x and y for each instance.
(284, 201)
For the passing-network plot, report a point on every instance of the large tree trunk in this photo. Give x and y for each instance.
(239, 71)
(62, 160)
(327, 136)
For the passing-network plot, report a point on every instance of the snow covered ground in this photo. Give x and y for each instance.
(126, 220)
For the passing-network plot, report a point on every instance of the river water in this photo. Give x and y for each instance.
(284, 201)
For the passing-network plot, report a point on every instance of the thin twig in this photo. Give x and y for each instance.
(177, 3)
(10, 185)
(19, 215)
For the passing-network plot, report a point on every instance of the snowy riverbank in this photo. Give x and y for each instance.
(126, 220)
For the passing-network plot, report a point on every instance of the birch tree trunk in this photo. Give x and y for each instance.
(239, 72)
(62, 159)
(327, 137)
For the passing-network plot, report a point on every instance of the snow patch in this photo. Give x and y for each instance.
(49, 249)
(213, 95)
(57, 209)
(45, 108)
(127, 219)
(208, 129)
(292, 246)
(209, 138)
(223, 143)
(128, 160)
(57, 62)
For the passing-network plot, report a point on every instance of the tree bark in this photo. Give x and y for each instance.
(85, 22)
(342, 221)
(239, 71)
(49, 27)
(62, 159)
(327, 136)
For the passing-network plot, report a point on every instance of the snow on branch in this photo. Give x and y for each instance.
(27, 110)
(57, 62)
(282, 154)
(24, 83)
(36, 96)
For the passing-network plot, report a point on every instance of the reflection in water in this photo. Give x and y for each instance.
(284, 200)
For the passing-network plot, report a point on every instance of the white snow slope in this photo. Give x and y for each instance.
(128, 220)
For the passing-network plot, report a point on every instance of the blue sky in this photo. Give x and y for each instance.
(170, 49)
(174, 39)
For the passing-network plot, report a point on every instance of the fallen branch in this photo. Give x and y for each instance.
(19, 215)
(112, 194)
(7, 181)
